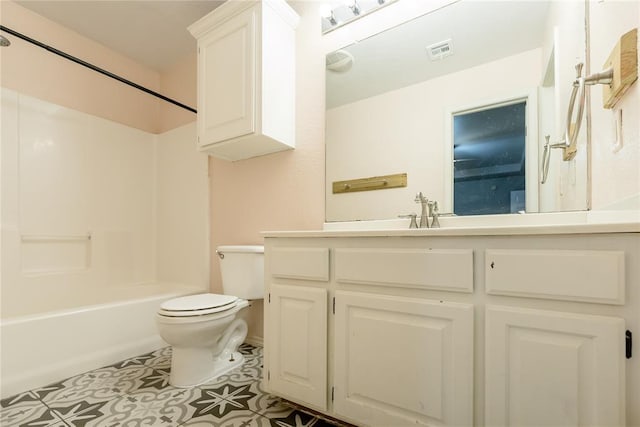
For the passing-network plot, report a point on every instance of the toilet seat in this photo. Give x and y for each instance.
(197, 305)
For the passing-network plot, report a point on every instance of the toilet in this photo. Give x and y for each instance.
(204, 330)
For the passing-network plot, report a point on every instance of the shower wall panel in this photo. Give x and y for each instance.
(80, 205)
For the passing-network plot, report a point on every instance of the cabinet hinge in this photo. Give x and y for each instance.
(334, 305)
(269, 296)
(628, 340)
(268, 375)
(332, 393)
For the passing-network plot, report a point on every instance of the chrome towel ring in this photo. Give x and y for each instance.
(578, 94)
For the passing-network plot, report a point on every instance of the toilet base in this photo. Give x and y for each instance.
(183, 362)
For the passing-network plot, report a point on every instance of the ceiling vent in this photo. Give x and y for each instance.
(339, 61)
(440, 50)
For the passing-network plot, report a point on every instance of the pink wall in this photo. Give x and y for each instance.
(282, 191)
(179, 82)
(33, 71)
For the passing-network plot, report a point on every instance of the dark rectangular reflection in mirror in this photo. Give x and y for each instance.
(489, 160)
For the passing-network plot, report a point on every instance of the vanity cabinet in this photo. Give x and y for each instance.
(298, 343)
(246, 79)
(524, 330)
(545, 367)
(339, 342)
(553, 368)
(402, 361)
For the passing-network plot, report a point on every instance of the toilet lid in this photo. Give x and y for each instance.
(196, 305)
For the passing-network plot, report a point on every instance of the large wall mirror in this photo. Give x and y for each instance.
(460, 100)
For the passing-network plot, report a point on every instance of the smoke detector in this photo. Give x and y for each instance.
(339, 61)
(440, 50)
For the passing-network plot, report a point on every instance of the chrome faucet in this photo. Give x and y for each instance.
(424, 218)
(412, 217)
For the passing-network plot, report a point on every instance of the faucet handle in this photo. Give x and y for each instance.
(413, 216)
(434, 214)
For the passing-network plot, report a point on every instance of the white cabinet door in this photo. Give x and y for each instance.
(226, 80)
(547, 368)
(298, 344)
(403, 361)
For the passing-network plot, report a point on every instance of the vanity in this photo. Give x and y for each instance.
(519, 311)
(475, 325)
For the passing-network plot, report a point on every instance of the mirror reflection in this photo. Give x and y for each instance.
(460, 100)
(489, 160)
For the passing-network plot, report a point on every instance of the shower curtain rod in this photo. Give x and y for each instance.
(95, 68)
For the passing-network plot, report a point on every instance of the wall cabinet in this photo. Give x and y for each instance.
(383, 336)
(246, 79)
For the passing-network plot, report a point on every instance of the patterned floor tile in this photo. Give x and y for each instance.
(239, 376)
(136, 392)
(144, 359)
(159, 359)
(240, 398)
(235, 419)
(297, 419)
(250, 351)
(22, 398)
(100, 385)
(222, 399)
(167, 407)
(263, 403)
(26, 410)
(78, 414)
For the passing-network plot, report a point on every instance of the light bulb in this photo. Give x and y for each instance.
(353, 5)
(327, 13)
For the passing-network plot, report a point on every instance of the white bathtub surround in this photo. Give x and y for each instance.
(94, 216)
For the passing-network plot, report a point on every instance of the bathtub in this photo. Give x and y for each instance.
(39, 349)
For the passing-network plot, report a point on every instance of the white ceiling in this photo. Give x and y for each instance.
(152, 32)
(481, 31)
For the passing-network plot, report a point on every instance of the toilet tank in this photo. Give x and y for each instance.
(242, 269)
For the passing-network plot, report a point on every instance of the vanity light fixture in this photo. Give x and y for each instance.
(327, 14)
(354, 6)
(334, 17)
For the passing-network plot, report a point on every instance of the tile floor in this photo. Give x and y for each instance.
(136, 392)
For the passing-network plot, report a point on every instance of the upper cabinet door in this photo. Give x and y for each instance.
(403, 361)
(226, 80)
(547, 368)
(246, 79)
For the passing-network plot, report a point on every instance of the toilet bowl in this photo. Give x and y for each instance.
(202, 329)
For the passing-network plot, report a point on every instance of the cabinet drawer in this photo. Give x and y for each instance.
(443, 269)
(590, 276)
(300, 263)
